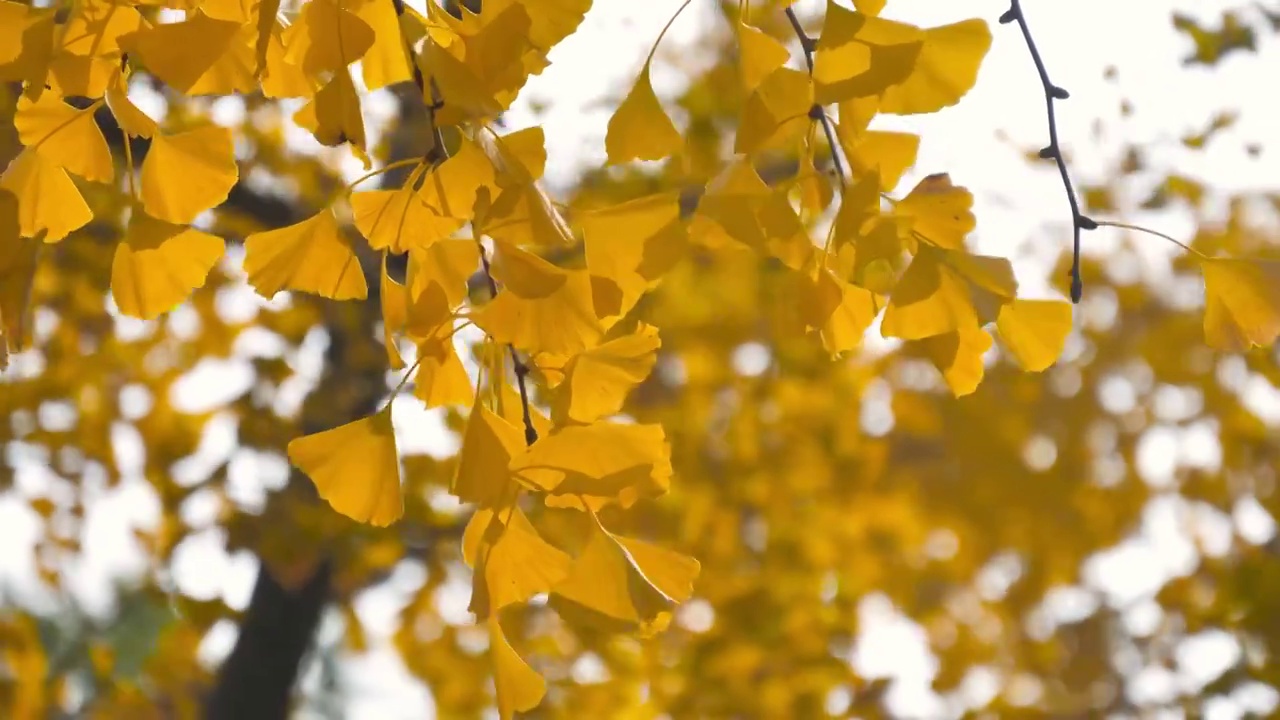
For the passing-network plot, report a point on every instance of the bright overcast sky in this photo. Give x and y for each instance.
(1016, 207)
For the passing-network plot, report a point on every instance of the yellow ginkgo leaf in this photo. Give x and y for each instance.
(447, 263)
(450, 189)
(65, 135)
(623, 582)
(887, 154)
(131, 119)
(759, 54)
(785, 235)
(27, 45)
(632, 245)
(17, 273)
(311, 256)
(518, 687)
(597, 380)
(958, 356)
(588, 466)
(640, 129)
(385, 62)
(840, 312)
(777, 111)
(860, 55)
(939, 211)
(189, 172)
(1242, 302)
(551, 21)
(540, 308)
(48, 200)
(334, 117)
(159, 264)
(512, 562)
(181, 53)
(489, 443)
(327, 38)
(355, 468)
(727, 212)
(1035, 331)
(945, 69)
(441, 378)
(394, 298)
(94, 27)
(930, 299)
(393, 219)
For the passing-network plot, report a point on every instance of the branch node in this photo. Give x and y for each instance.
(1049, 152)
(1059, 93)
(1009, 16)
(1084, 222)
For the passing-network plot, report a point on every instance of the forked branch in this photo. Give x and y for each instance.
(808, 44)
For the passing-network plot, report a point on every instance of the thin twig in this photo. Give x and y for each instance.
(1079, 221)
(808, 44)
(1149, 231)
(521, 370)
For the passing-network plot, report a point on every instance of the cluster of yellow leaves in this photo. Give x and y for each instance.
(563, 332)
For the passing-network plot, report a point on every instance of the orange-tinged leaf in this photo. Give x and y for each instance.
(625, 580)
(640, 129)
(95, 26)
(355, 468)
(488, 445)
(592, 465)
(1034, 331)
(66, 136)
(181, 53)
(930, 299)
(441, 379)
(958, 356)
(776, 112)
(327, 38)
(393, 219)
(540, 308)
(311, 256)
(158, 265)
(1242, 302)
(598, 379)
(189, 172)
(48, 200)
(518, 687)
(27, 45)
(512, 562)
(945, 69)
(939, 211)
(759, 54)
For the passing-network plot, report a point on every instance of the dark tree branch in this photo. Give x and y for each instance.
(816, 112)
(1079, 221)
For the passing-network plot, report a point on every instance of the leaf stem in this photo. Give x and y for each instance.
(808, 44)
(384, 169)
(1079, 221)
(1156, 233)
(518, 366)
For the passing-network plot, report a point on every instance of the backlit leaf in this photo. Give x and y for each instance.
(598, 379)
(592, 465)
(311, 256)
(66, 136)
(519, 688)
(48, 200)
(945, 69)
(189, 172)
(1242, 302)
(640, 129)
(512, 562)
(158, 265)
(541, 308)
(355, 468)
(1034, 331)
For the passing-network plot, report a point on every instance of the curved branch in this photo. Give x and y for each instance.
(1079, 221)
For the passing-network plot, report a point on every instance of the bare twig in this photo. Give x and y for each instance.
(518, 366)
(1079, 221)
(808, 44)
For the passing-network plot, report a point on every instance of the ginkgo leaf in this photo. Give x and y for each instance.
(27, 45)
(518, 687)
(640, 129)
(1034, 331)
(624, 580)
(945, 69)
(334, 117)
(540, 308)
(588, 466)
(839, 311)
(385, 62)
(632, 244)
(355, 468)
(512, 561)
(1242, 302)
(48, 200)
(17, 274)
(551, 21)
(488, 445)
(189, 172)
(158, 265)
(441, 378)
(90, 52)
(958, 355)
(448, 264)
(759, 54)
(598, 379)
(181, 53)
(128, 116)
(727, 211)
(394, 298)
(450, 189)
(939, 211)
(785, 235)
(860, 55)
(889, 154)
(65, 135)
(930, 299)
(327, 38)
(311, 256)
(776, 112)
(393, 219)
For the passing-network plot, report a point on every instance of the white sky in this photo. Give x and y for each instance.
(1020, 211)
